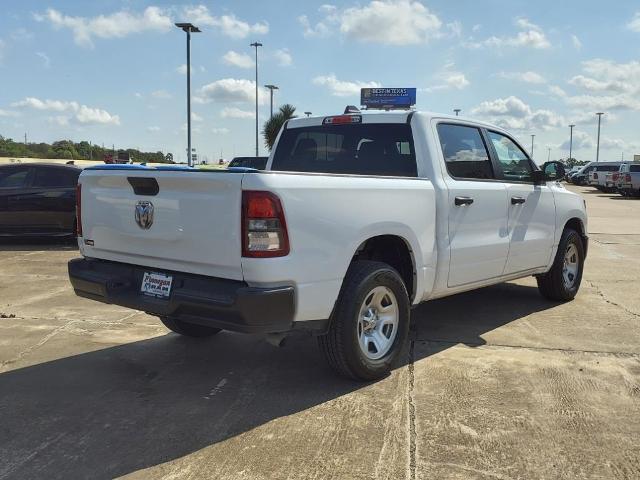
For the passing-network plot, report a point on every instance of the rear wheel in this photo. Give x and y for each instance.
(370, 324)
(188, 329)
(562, 282)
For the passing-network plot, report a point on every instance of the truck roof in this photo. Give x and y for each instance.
(388, 117)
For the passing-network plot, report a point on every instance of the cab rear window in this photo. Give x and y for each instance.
(359, 149)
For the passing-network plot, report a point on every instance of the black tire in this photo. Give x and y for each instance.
(552, 284)
(340, 345)
(188, 329)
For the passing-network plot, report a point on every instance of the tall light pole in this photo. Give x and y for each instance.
(308, 114)
(457, 111)
(188, 28)
(271, 89)
(532, 137)
(599, 114)
(256, 45)
(549, 154)
(571, 140)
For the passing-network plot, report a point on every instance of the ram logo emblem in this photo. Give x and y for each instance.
(144, 214)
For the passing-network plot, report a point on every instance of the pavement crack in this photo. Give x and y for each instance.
(611, 302)
(412, 413)
(526, 347)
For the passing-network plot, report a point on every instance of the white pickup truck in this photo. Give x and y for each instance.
(356, 219)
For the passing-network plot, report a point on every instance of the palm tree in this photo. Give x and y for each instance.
(272, 126)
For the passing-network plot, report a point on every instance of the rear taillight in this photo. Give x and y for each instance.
(79, 210)
(264, 230)
(627, 178)
(595, 176)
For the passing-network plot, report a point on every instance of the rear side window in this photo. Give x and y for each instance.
(465, 153)
(55, 178)
(634, 168)
(608, 168)
(13, 177)
(360, 149)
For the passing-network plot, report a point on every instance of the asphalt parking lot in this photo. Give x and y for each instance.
(498, 384)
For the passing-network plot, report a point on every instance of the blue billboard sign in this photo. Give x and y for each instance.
(388, 98)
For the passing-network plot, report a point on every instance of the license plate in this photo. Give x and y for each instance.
(156, 284)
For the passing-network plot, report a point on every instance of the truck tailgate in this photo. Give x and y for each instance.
(195, 221)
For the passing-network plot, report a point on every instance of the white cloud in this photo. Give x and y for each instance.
(577, 44)
(220, 131)
(115, 25)
(634, 24)
(240, 60)
(342, 88)
(449, 78)
(557, 91)
(234, 112)
(584, 141)
(229, 25)
(161, 94)
(195, 117)
(527, 77)
(46, 61)
(80, 114)
(153, 129)
(608, 86)
(230, 90)
(530, 35)
(390, 22)
(8, 113)
(581, 140)
(318, 30)
(513, 113)
(283, 57)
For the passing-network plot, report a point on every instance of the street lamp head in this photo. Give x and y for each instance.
(572, 125)
(457, 111)
(188, 27)
(308, 114)
(256, 44)
(599, 113)
(271, 87)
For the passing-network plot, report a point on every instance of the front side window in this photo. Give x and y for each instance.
(514, 162)
(465, 153)
(14, 177)
(360, 149)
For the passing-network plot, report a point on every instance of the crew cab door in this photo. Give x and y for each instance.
(477, 207)
(532, 209)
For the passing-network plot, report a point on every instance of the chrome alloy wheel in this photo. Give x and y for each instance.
(378, 323)
(570, 266)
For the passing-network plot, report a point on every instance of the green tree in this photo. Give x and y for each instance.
(272, 126)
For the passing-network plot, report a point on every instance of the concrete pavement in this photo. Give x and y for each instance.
(498, 384)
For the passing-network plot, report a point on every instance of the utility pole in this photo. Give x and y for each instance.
(25, 139)
(599, 114)
(532, 137)
(256, 45)
(549, 154)
(457, 111)
(271, 89)
(188, 28)
(571, 139)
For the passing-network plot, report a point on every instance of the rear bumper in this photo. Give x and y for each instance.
(222, 303)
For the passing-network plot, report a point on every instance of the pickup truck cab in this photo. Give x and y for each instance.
(628, 183)
(356, 219)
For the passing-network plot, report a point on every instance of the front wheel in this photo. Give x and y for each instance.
(188, 329)
(562, 282)
(370, 323)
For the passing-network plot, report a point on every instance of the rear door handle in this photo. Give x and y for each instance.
(463, 201)
(517, 200)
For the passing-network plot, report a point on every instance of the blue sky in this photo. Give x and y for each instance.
(112, 71)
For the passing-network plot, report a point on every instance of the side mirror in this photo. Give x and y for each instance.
(553, 171)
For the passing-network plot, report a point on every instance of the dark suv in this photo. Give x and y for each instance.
(38, 199)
